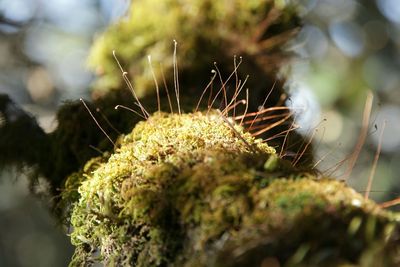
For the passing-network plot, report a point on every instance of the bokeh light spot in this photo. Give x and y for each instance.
(18, 10)
(40, 85)
(315, 42)
(336, 10)
(305, 107)
(391, 139)
(348, 37)
(390, 9)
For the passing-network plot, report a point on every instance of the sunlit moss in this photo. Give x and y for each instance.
(187, 190)
(206, 31)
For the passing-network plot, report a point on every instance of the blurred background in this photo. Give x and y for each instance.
(345, 48)
(43, 49)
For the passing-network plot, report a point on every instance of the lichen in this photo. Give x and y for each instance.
(188, 190)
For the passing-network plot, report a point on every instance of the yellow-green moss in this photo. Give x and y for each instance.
(206, 31)
(187, 190)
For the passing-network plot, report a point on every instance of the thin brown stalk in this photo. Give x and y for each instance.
(107, 120)
(270, 117)
(281, 134)
(156, 83)
(97, 123)
(265, 101)
(224, 84)
(176, 78)
(128, 83)
(305, 148)
(261, 112)
(362, 137)
(247, 105)
(286, 137)
(166, 89)
(131, 110)
(273, 125)
(325, 156)
(390, 203)
(252, 148)
(376, 158)
(237, 92)
(205, 89)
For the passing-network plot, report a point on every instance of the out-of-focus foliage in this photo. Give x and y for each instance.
(347, 47)
(31, 139)
(43, 50)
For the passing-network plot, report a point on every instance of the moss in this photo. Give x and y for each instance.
(187, 190)
(222, 30)
(255, 30)
(22, 141)
(217, 38)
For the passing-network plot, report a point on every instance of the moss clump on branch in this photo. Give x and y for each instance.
(21, 138)
(255, 30)
(191, 190)
(194, 189)
(206, 31)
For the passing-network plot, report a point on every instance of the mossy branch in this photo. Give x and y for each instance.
(185, 190)
(194, 189)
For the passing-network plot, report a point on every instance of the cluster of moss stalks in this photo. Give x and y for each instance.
(255, 30)
(207, 31)
(195, 190)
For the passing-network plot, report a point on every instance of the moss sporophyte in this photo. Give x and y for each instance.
(195, 189)
(203, 188)
(225, 186)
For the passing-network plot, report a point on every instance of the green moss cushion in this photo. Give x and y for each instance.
(193, 190)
